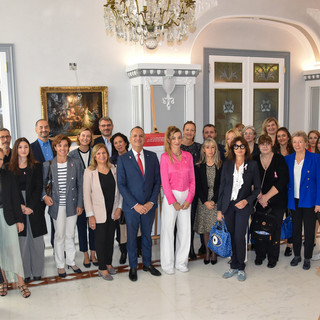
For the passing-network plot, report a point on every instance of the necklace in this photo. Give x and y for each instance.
(177, 154)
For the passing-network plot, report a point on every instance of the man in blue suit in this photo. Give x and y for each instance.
(139, 184)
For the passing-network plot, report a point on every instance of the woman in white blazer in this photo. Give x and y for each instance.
(103, 203)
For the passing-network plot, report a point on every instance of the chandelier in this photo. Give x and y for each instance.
(147, 21)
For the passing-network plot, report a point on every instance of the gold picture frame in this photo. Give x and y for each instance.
(68, 109)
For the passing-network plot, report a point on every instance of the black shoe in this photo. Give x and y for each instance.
(288, 252)
(133, 274)
(202, 249)
(78, 270)
(123, 258)
(306, 264)
(294, 262)
(258, 262)
(37, 278)
(152, 270)
(192, 254)
(87, 265)
(62, 275)
(206, 261)
(96, 263)
(271, 264)
(27, 279)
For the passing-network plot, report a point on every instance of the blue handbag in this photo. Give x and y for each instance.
(286, 228)
(220, 240)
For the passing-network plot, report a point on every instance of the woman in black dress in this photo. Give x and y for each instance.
(274, 176)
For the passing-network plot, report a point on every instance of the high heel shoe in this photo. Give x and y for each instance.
(86, 265)
(78, 270)
(95, 263)
(62, 275)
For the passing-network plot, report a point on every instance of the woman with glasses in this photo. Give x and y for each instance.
(239, 188)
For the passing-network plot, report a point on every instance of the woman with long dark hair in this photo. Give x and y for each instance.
(239, 188)
(28, 174)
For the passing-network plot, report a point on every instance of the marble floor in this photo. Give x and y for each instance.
(281, 293)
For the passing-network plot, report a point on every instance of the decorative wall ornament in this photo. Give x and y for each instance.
(169, 83)
(204, 5)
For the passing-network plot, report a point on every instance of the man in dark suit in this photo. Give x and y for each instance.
(42, 152)
(106, 128)
(139, 184)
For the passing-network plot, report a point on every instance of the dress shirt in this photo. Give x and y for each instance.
(108, 145)
(46, 150)
(135, 153)
(297, 177)
(178, 175)
(237, 181)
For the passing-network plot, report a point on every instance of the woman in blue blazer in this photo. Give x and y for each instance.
(239, 188)
(304, 201)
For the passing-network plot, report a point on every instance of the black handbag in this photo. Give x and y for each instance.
(263, 225)
(48, 184)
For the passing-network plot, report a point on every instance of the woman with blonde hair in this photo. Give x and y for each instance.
(230, 135)
(270, 127)
(207, 181)
(103, 203)
(178, 182)
(83, 154)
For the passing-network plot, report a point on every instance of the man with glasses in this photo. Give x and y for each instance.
(106, 128)
(5, 140)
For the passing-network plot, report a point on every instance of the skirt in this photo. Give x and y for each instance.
(10, 255)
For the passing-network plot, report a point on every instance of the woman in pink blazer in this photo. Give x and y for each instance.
(102, 202)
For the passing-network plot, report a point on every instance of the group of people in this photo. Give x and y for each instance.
(101, 183)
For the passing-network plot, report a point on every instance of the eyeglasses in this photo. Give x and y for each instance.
(237, 146)
(4, 137)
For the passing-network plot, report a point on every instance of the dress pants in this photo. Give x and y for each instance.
(104, 240)
(271, 248)
(82, 225)
(169, 218)
(308, 217)
(145, 221)
(32, 253)
(64, 238)
(237, 224)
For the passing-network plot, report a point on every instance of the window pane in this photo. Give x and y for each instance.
(266, 72)
(265, 106)
(228, 110)
(227, 72)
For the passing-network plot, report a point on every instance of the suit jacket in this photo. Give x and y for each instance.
(76, 155)
(135, 188)
(251, 178)
(37, 152)
(309, 183)
(33, 201)
(74, 186)
(101, 140)
(202, 183)
(222, 151)
(94, 202)
(10, 198)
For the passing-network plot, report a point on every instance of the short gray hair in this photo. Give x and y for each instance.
(300, 134)
(249, 127)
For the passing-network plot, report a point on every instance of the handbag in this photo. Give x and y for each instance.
(286, 228)
(48, 184)
(263, 225)
(220, 240)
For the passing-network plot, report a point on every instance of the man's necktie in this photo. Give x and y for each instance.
(140, 164)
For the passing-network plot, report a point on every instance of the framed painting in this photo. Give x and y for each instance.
(68, 109)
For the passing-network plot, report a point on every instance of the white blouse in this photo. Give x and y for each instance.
(297, 177)
(237, 181)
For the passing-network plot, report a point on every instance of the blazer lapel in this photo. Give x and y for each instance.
(54, 171)
(70, 168)
(305, 166)
(135, 163)
(146, 163)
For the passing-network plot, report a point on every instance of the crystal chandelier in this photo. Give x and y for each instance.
(147, 21)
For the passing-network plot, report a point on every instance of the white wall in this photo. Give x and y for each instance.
(49, 34)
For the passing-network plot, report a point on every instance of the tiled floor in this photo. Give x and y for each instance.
(281, 293)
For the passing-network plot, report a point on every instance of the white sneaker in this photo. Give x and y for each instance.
(316, 257)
